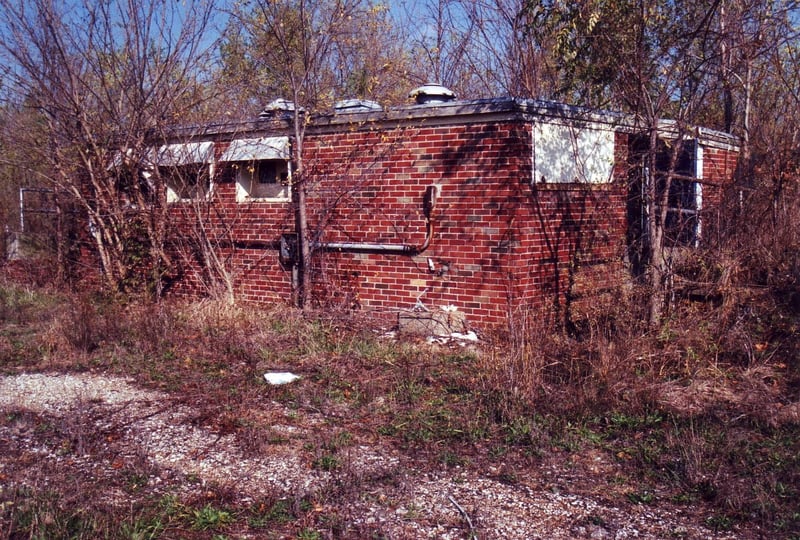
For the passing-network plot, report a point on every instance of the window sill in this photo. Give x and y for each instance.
(248, 199)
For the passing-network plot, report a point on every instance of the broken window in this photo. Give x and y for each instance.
(186, 169)
(266, 179)
(187, 182)
(262, 168)
(684, 201)
(683, 223)
(682, 226)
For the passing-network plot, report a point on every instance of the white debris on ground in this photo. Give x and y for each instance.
(280, 377)
(458, 338)
(469, 336)
(414, 504)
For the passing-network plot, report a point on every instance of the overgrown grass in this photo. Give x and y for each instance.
(699, 408)
(706, 404)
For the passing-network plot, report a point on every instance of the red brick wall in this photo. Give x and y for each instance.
(719, 166)
(244, 233)
(375, 194)
(500, 245)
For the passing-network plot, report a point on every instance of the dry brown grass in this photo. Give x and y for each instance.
(704, 405)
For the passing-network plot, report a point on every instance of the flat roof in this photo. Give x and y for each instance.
(446, 113)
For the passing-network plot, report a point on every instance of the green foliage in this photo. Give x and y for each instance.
(326, 462)
(327, 454)
(24, 305)
(409, 392)
(142, 528)
(618, 420)
(588, 39)
(437, 420)
(519, 431)
(40, 515)
(451, 459)
(720, 522)
(264, 514)
(309, 534)
(630, 54)
(210, 517)
(641, 497)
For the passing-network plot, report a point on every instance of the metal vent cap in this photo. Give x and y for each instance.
(432, 93)
(356, 105)
(278, 107)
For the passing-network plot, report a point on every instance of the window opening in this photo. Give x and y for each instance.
(187, 182)
(682, 226)
(267, 179)
(187, 170)
(263, 168)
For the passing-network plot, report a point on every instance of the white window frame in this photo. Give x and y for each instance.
(248, 156)
(698, 192)
(200, 154)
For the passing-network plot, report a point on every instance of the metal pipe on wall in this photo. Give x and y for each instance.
(428, 204)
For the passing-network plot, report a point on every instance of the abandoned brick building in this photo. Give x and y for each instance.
(491, 207)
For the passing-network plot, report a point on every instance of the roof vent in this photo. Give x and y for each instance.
(355, 106)
(432, 93)
(278, 107)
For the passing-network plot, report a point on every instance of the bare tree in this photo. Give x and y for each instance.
(104, 78)
(761, 95)
(439, 35)
(509, 52)
(299, 48)
(753, 36)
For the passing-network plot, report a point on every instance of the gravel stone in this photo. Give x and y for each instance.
(392, 496)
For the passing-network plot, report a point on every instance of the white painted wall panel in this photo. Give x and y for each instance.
(563, 153)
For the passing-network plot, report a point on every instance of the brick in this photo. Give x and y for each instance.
(495, 233)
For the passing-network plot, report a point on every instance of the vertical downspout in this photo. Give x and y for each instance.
(698, 192)
(21, 210)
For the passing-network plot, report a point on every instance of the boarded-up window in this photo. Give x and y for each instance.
(564, 153)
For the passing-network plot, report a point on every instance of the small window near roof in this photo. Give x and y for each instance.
(187, 169)
(265, 179)
(262, 165)
(187, 182)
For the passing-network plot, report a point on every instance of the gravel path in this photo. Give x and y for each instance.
(390, 495)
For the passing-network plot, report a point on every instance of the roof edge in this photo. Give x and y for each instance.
(447, 112)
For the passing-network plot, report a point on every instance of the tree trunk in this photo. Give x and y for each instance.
(656, 269)
(302, 267)
(305, 248)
